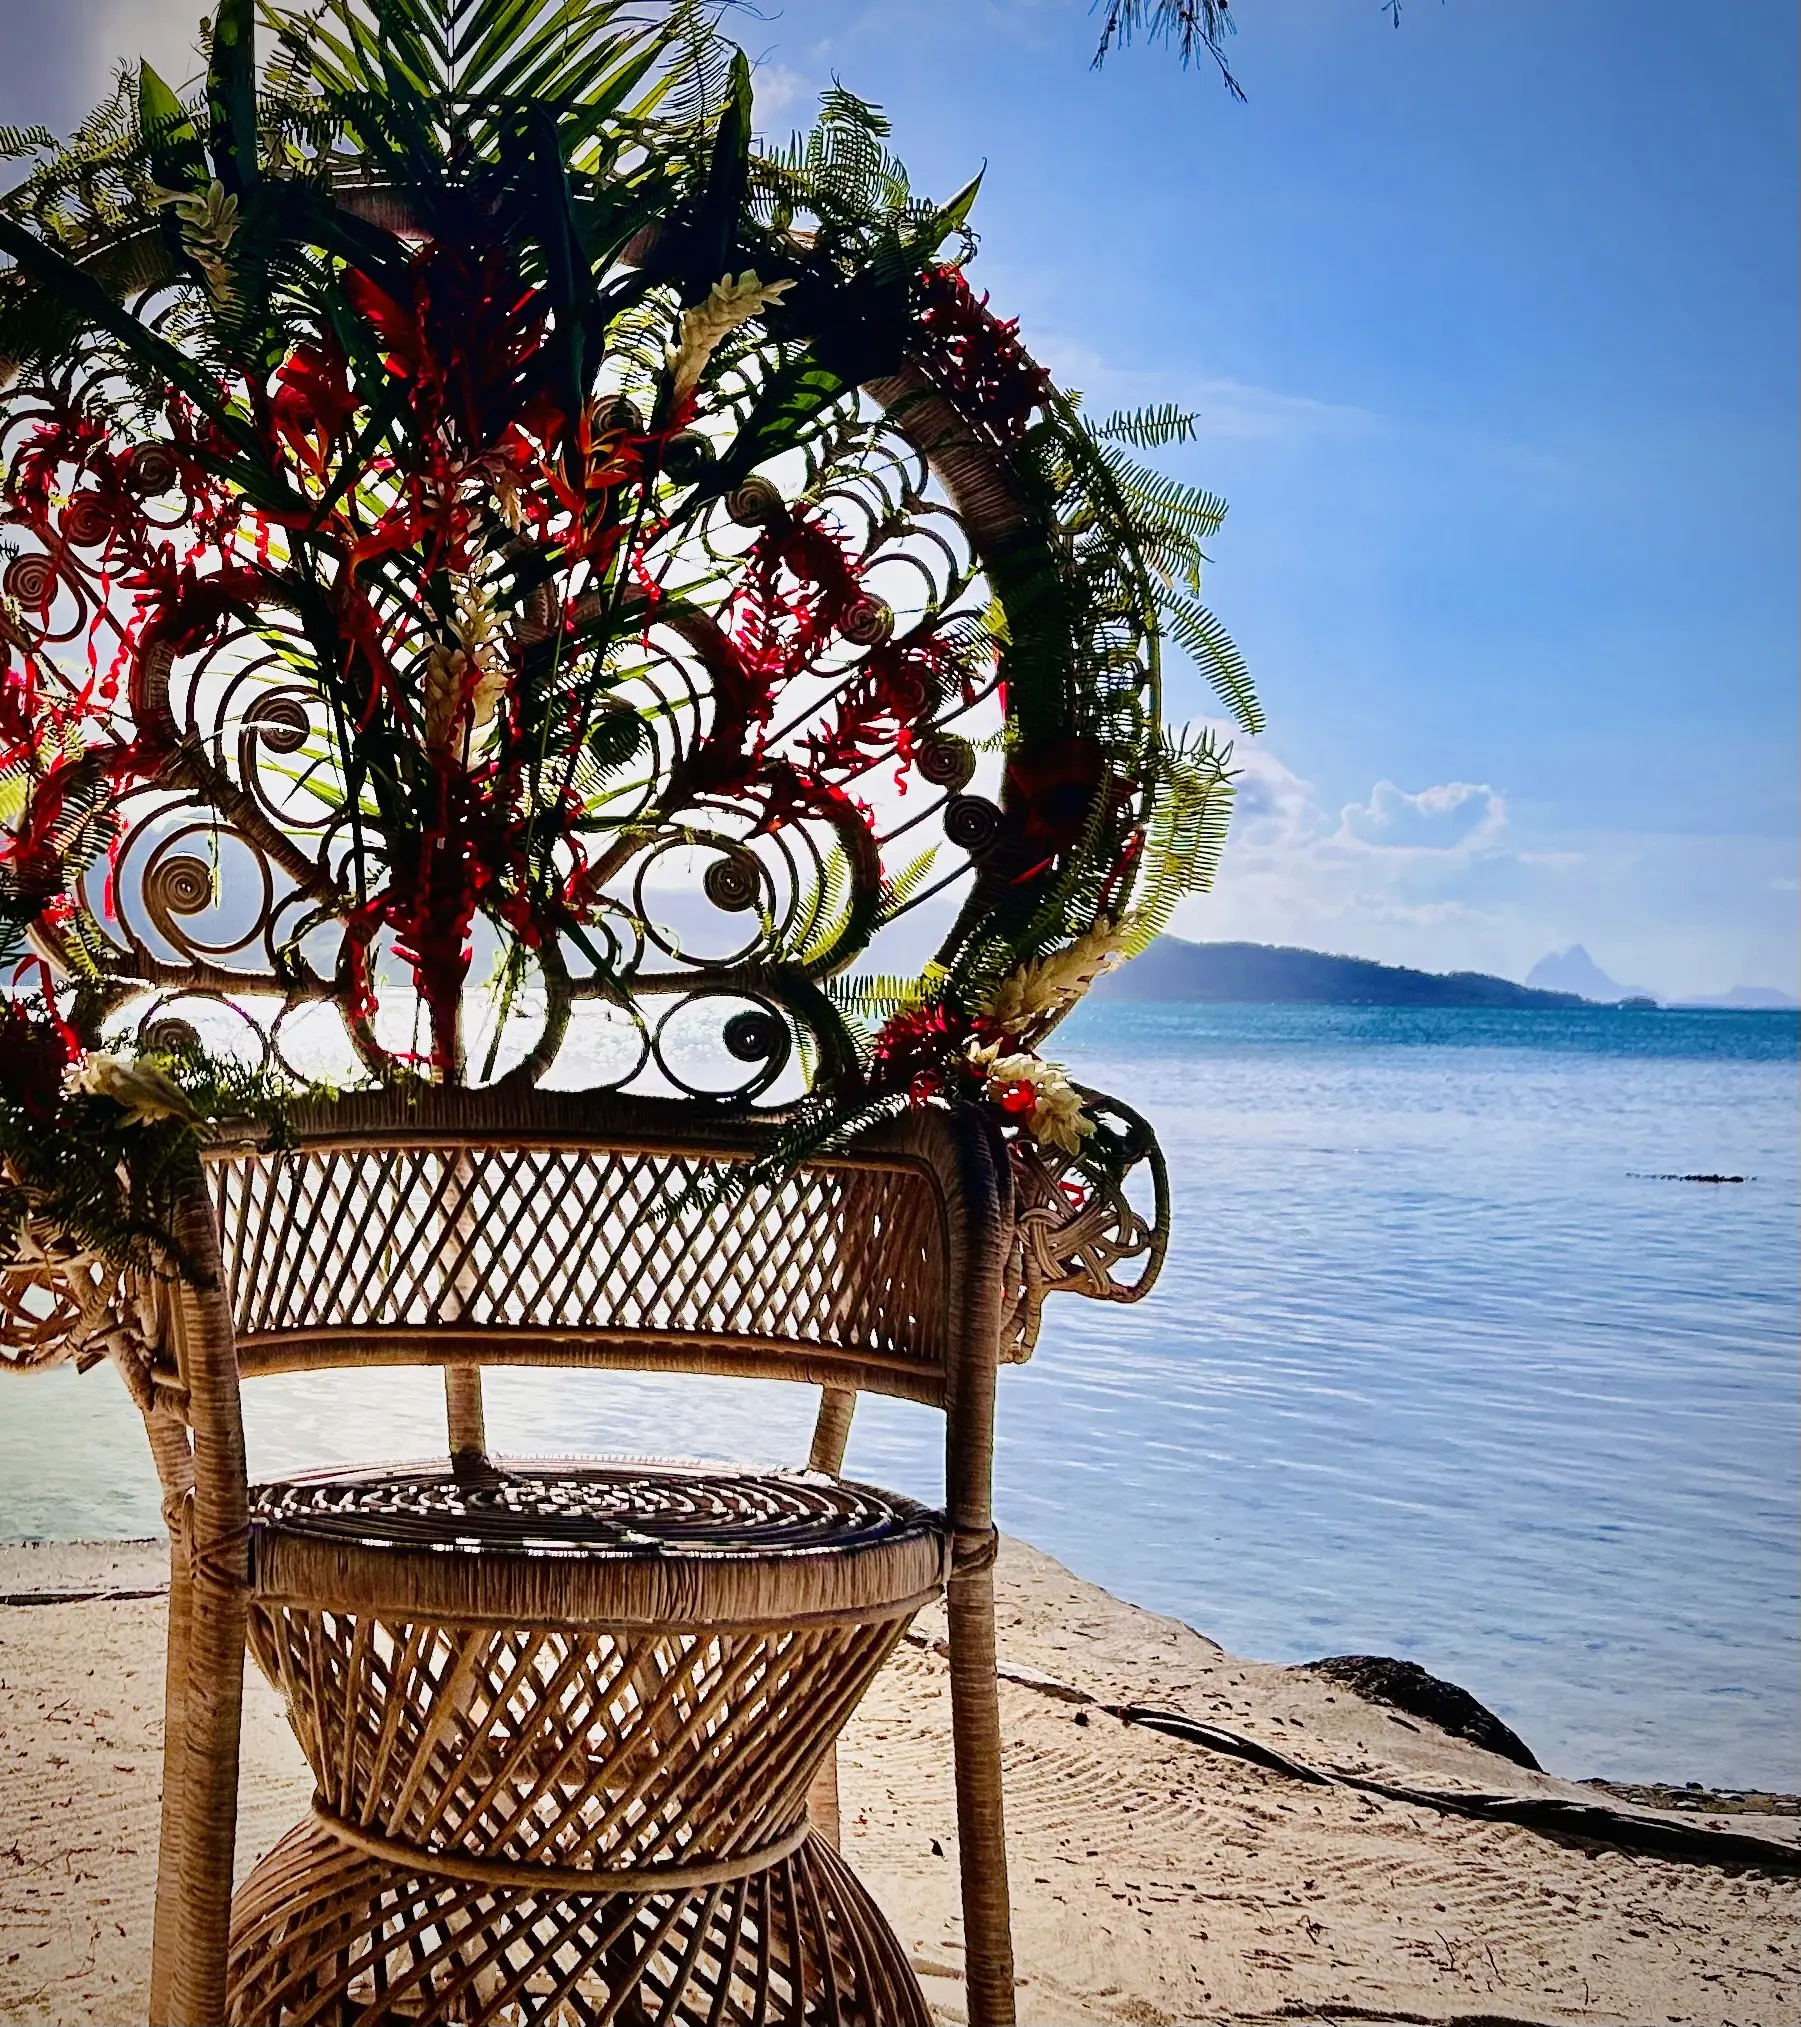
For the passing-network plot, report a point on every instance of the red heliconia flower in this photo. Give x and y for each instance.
(19, 713)
(978, 358)
(1053, 784)
(920, 1051)
(313, 404)
(469, 326)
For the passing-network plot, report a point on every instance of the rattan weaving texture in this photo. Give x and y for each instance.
(597, 1506)
(624, 1544)
(324, 1933)
(498, 1239)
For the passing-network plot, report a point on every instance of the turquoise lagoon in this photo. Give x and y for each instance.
(1439, 1367)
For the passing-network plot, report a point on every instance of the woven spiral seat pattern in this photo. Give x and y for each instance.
(323, 1933)
(629, 1508)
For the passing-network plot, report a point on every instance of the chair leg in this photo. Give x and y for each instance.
(981, 1829)
(465, 1419)
(831, 1432)
(218, 1608)
(168, 1857)
(211, 1722)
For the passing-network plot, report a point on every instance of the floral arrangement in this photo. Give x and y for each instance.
(455, 482)
(92, 1142)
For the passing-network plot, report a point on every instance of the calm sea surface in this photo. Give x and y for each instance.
(1437, 1368)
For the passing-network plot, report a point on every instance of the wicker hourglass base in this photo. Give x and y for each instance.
(563, 1721)
(324, 1932)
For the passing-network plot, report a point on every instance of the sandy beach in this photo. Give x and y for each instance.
(1280, 1851)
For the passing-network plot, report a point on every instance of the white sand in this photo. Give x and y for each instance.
(1153, 1880)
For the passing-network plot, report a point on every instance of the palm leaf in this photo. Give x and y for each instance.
(1193, 26)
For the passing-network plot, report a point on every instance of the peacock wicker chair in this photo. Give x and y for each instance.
(476, 542)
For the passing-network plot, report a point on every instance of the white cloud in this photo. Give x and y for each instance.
(1460, 817)
(781, 97)
(1225, 409)
(1449, 877)
(1394, 864)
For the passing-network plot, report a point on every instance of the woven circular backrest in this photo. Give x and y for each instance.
(619, 611)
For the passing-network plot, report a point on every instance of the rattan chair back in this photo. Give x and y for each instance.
(550, 1229)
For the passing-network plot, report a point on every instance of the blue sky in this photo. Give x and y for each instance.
(1491, 324)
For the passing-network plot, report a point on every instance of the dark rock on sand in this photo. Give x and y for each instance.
(1405, 1685)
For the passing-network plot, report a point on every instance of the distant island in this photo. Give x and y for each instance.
(1573, 970)
(1264, 974)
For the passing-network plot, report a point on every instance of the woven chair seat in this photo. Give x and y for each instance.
(600, 1667)
(609, 1541)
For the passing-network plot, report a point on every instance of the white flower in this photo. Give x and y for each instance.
(465, 684)
(729, 303)
(142, 1089)
(209, 223)
(1051, 985)
(1058, 1118)
(1037, 1094)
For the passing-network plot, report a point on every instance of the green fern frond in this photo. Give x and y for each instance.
(828, 911)
(1210, 647)
(1190, 812)
(1157, 496)
(898, 892)
(16, 141)
(1146, 428)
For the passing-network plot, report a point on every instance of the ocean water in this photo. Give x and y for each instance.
(1439, 1367)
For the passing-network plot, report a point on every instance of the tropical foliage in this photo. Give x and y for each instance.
(1193, 26)
(455, 482)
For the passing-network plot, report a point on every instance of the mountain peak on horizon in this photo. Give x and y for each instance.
(1573, 970)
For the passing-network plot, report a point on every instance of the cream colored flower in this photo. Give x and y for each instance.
(142, 1089)
(1052, 985)
(1000, 1073)
(729, 303)
(1058, 1118)
(464, 685)
(1055, 1115)
(209, 223)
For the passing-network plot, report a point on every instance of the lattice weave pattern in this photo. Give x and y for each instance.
(639, 1739)
(326, 1934)
(590, 1808)
(562, 1238)
(566, 1748)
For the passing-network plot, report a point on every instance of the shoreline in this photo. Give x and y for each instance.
(1286, 1851)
